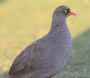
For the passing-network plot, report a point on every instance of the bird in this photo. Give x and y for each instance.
(47, 56)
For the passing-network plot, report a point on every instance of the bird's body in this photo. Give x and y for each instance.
(46, 56)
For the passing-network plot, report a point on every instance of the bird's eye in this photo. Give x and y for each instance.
(65, 11)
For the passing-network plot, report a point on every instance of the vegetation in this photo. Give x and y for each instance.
(24, 21)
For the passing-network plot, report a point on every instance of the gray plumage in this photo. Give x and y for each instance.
(47, 56)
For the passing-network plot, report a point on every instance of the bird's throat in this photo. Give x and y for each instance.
(58, 25)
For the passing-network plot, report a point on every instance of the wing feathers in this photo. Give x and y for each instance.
(24, 60)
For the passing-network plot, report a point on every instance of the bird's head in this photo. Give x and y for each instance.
(62, 12)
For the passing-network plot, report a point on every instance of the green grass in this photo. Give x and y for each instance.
(22, 22)
(79, 65)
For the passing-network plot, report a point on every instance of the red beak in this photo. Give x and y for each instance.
(72, 13)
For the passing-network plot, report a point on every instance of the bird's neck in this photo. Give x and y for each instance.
(58, 32)
(58, 25)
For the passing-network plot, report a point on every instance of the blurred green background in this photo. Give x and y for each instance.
(24, 21)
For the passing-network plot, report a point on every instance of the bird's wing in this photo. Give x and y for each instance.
(24, 60)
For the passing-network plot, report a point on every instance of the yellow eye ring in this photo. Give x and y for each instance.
(65, 11)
